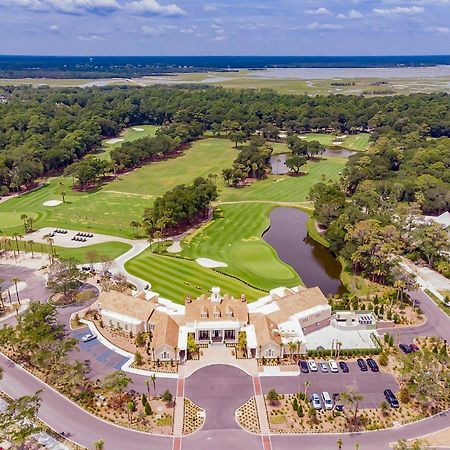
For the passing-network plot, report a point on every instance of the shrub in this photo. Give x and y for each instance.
(300, 411)
(138, 358)
(295, 404)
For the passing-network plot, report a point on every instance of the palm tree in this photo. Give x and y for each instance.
(292, 346)
(15, 281)
(153, 379)
(147, 383)
(24, 218)
(131, 407)
(31, 243)
(352, 398)
(49, 241)
(135, 225)
(307, 385)
(16, 236)
(339, 443)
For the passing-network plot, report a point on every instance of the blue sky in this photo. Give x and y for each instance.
(224, 27)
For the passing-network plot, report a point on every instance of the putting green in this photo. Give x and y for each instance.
(236, 239)
(13, 219)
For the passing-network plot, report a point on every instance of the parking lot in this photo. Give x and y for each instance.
(369, 384)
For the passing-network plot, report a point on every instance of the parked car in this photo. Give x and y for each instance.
(339, 407)
(333, 366)
(414, 347)
(88, 337)
(303, 366)
(362, 364)
(312, 366)
(315, 401)
(344, 366)
(405, 348)
(391, 398)
(327, 402)
(323, 367)
(372, 365)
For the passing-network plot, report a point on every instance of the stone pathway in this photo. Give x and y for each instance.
(179, 405)
(261, 407)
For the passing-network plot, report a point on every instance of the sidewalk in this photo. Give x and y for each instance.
(261, 407)
(179, 405)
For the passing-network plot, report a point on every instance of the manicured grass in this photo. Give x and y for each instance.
(106, 250)
(236, 239)
(356, 142)
(111, 207)
(128, 135)
(285, 188)
(175, 278)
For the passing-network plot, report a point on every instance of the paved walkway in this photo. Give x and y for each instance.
(179, 405)
(219, 354)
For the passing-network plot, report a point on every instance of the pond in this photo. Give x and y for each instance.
(313, 262)
(277, 162)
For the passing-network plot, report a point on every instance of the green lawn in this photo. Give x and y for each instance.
(110, 208)
(107, 250)
(235, 237)
(284, 188)
(356, 142)
(175, 278)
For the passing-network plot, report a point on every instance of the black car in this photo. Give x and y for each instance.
(303, 366)
(339, 408)
(372, 365)
(362, 364)
(405, 348)
(391, 398)
(344, 367)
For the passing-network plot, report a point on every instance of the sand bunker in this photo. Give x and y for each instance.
(52, 203)
(210, 263)
(138, 129)
(175, 247)
(114, 140)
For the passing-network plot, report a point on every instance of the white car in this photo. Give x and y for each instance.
(323, 367)
(328, 403)
(333, 366)
(315, 401)
(312, 366)
(88, 337)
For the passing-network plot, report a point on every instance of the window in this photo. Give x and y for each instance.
(126, 327)
(229, 334)
(203, 334)
(165, 355)
(269, 353)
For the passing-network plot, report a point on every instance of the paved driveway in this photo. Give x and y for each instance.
(370, 384)
(220, 390)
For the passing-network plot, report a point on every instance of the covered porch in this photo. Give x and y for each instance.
(220, 332)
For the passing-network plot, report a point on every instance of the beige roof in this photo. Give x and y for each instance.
(229, 308)
(265, 329)
(294, 302)
(128, 305)
(165, 332)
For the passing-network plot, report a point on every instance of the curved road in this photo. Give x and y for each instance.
(219, 390)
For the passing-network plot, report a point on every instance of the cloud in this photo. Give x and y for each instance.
(219, 38)
(442, 30)
(399, 10)
(54, 29)
(152, 7)
(323, 26)
(318, 12)
(209, 8)
(91, 38)
(352, 14)
(100, 7)
(157, 31)
(65, 6)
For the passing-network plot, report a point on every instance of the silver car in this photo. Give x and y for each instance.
(315, 401)
(88, 337)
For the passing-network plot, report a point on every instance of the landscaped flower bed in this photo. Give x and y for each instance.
(247, 416)
(193, 418)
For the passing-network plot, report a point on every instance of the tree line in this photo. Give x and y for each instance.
(44, 130)
(373, 214)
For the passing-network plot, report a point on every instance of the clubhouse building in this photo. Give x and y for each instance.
(271, 327)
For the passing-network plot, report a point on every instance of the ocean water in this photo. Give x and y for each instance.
(21, 62)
